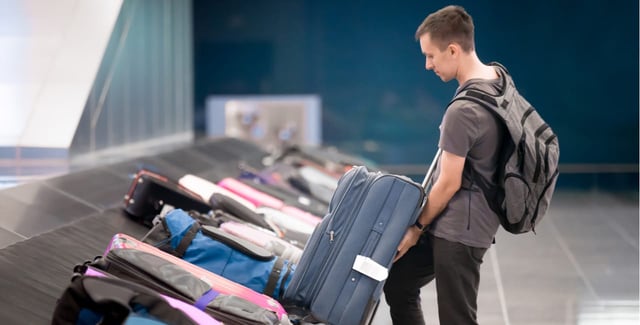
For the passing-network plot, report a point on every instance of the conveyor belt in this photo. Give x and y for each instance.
(49, 226)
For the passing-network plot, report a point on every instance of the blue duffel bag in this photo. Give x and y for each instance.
(226, 255)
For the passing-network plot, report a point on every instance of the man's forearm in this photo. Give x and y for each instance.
(439, 197)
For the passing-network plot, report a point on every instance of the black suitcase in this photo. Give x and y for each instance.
(303, 202)
(149, 192)
(325, 156)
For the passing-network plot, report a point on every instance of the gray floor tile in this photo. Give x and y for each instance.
(580, 268)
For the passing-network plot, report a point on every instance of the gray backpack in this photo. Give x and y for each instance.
(528, 161)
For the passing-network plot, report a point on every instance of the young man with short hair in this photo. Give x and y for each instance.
(456, 226)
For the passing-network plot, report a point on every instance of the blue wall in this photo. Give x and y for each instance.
(576, 62)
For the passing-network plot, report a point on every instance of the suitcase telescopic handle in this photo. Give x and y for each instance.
(432, 168)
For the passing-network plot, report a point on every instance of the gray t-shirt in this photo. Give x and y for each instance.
(471, 131)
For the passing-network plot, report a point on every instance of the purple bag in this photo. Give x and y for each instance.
(194, 313)
(96, 298)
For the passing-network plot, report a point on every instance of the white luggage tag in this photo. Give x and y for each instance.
(370, 268)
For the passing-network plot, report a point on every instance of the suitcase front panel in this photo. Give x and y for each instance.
(390, 207)
(316, 252)
(368, 216)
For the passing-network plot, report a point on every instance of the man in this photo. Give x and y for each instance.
(456, 226)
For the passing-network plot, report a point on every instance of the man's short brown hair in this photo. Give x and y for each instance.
(451, 24)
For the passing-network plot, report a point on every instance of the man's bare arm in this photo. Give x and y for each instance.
(442, 191)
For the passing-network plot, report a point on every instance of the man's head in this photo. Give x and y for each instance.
(445, 37)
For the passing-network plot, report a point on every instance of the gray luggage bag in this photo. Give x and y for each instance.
(344, 265)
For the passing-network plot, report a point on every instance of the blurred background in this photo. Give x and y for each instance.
(87, 83)
(576, 62)
(78, 78)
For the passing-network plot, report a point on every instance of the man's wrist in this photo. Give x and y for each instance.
(420, 226)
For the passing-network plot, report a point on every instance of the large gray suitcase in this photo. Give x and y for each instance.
(343, 267)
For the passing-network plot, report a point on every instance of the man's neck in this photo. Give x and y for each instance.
(472, 68)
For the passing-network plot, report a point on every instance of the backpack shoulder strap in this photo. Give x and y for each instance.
(489, 101)
(499, 65)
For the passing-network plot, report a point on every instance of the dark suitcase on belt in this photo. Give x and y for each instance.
(343, 267)
(288, 178)
(326, 156)
(300, 201)
(149, 192)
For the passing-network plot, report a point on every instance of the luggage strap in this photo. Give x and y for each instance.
(187, 239)
(284, 280)
(205, 299)
(270, 287)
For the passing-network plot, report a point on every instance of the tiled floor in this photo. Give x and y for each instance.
(580, 268)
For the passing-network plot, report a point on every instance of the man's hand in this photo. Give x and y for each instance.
(410, 239)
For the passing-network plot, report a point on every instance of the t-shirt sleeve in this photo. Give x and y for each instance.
(458, 130)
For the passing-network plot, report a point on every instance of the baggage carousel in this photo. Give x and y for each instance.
(50, 225)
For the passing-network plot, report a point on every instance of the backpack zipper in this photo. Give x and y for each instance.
(544, 191)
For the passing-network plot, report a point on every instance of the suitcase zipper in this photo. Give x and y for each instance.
(371, 178)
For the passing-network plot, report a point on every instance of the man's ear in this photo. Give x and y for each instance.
(454, 49)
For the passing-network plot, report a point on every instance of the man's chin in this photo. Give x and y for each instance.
(443, 78)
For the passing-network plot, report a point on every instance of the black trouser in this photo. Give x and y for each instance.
(457, 273)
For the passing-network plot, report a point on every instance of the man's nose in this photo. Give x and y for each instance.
(428, 65)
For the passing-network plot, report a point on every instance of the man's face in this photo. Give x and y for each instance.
(440, 61)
